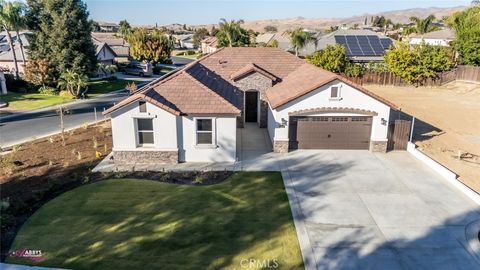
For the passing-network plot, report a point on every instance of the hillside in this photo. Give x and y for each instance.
(401, 16)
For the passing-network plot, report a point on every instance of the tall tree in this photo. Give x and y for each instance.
(11, 19)
(124, 28)
(467, 32)
(231, 34)
(199, 35)
(62, 37)
(333, 58)
(418, 63)
(270, 28)
(152, 46)
(299, 39)
(423, 26)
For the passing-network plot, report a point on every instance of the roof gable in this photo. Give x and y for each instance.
(251, 68)
(306, 79)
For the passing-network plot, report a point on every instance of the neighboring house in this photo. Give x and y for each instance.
(108, 27)
(209, 45)
(104, 53)
(6, 55)
(267, 39)
(192, 114)
(184, 41)
(442, 37)
(361, 45)
(119, 45)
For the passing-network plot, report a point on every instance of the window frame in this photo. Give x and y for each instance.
(142, 106)
(339, 93)
(212, 132)
(138, 131)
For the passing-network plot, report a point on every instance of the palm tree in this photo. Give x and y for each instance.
(18, 22)
(73, 82)
(11, 18)
(423, 26)
(299, 39)
(233, 32)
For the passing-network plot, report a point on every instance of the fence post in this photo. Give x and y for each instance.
(411, 128)
(95, 112)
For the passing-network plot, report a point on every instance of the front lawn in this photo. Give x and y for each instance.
(142, 224)
(96, 88)
(33, 101)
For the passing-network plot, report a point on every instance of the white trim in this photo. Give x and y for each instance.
(137, 138)
(213, 132)
(448, 175)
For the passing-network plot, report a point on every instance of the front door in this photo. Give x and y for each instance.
(251, 106)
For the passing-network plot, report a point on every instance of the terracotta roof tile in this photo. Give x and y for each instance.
(206, 86)
(306, 79)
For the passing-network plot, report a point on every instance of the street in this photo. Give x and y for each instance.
(24, 127)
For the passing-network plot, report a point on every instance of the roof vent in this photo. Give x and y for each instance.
(221, 62)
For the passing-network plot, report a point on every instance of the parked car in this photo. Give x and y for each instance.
(139, 69)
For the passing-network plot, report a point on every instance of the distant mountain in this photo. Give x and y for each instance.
(397, 16)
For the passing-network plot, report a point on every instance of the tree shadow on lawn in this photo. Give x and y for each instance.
(142, 224)
(442, 246)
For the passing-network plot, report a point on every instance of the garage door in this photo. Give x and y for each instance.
(333, 132)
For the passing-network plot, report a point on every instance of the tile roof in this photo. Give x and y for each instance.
(306, 79)
(250, 68)
(207, 86)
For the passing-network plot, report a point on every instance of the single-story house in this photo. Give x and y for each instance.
(6, 55)
(442, 37)
(104, 53)
(119, 45)
(192, 114)
(185, 41)
(209, 45)
(108, 27)
(361, 45)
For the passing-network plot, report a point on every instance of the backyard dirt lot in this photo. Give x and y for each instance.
(454, 109)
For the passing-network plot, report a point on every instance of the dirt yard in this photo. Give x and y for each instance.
(454, 109)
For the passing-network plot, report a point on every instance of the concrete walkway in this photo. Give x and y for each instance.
(358, 210)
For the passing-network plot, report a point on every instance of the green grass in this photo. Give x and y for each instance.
(33, 101)
(141, 224)
(191, 56)
(96, 88)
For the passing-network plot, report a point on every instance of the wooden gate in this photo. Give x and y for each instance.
(398, 135)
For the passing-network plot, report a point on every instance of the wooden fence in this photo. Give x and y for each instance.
(468, 73)
(463, 73)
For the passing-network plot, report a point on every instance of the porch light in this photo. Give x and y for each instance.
(384, 121)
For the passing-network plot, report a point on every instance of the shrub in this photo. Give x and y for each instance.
(112, 78)
(353, 70)
(66, 94)
(47, 90)
(15, 85)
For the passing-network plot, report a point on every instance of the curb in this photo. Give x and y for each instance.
(75, 102)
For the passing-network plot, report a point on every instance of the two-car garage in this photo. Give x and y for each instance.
(330, 132)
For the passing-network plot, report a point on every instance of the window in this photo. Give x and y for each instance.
(143, 106)
(339, 119)
(334, 93)
(145, 131)
(204, 131)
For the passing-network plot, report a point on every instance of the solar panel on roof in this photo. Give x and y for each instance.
(386, 43)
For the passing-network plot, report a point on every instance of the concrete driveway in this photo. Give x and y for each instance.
(358, 210)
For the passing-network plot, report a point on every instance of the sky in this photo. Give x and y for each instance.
(149, 12)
